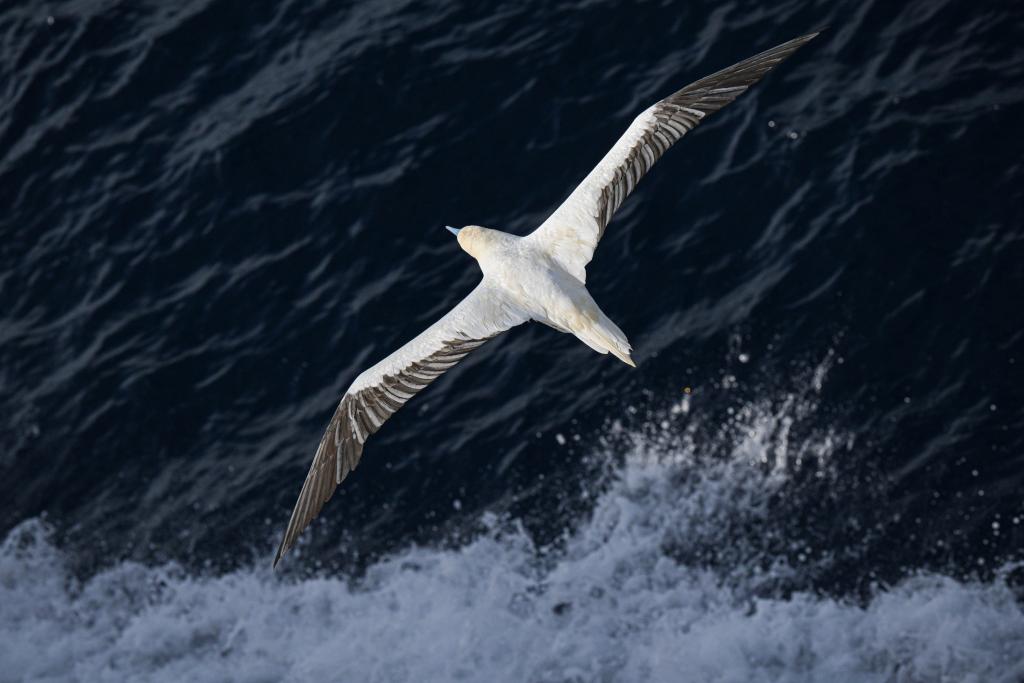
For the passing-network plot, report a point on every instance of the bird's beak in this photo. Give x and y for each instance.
(454, 231)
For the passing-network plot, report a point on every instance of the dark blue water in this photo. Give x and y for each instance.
(214, 215)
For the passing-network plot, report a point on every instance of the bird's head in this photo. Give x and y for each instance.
(473, 239)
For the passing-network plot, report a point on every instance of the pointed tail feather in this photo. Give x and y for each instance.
(604, 336)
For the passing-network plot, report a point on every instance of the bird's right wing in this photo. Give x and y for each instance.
(380, 391)
(572, 232)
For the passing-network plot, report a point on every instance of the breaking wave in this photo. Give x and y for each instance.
(681, 571)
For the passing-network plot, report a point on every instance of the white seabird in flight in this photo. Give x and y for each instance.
(541, 277)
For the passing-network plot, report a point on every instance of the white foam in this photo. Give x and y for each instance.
(618, 601)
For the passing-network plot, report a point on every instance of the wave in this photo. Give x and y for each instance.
(670, 577)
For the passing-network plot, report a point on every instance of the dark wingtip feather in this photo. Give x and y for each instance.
(282, 548)
(277, 558)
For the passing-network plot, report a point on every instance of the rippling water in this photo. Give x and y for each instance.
(215, 214)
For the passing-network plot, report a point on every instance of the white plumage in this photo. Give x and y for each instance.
(539, 277)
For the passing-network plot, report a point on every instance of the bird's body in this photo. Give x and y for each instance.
(541, 276)
(529, 275)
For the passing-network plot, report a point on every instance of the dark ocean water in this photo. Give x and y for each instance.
(215, 214)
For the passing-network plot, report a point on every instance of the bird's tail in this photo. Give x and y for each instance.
(604, 336)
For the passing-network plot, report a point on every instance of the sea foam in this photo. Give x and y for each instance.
(628, 595)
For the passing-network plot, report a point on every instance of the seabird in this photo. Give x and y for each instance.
(541, 277)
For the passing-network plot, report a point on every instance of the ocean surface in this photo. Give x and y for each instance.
(214, 214)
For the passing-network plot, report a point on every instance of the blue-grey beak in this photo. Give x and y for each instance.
(454, 231)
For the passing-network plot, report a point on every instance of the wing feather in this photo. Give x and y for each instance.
(572, 232)
(378, 393)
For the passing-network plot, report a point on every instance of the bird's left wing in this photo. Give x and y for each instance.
(572, 232)
(380, 391)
